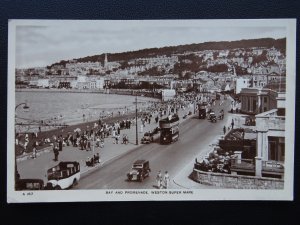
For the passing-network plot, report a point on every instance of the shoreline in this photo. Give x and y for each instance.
(129, 92)
(91, 111)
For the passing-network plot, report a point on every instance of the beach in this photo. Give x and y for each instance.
(69, 108)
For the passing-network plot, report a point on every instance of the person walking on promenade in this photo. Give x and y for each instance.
(60, 143)
(232, 124)
(166, 180)
(117, 139)
(26, 143)
(55, 150)
(34, 146)
(224, 129)
(159, 180)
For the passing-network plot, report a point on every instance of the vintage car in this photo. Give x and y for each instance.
(63, 176)
(147, 138)
(139, 171)
(212, 117)
(29, 184)
(250, 121)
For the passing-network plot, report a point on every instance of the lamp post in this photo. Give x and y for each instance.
(24, 107)
(17, 175)
(136, 124)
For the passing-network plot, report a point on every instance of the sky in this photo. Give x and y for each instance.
(39, 43)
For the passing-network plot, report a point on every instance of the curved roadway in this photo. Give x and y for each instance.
(195, 136)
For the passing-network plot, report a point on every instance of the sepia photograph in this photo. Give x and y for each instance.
(142, 110)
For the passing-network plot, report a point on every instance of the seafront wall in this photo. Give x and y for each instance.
(236, 181)
(149, 94)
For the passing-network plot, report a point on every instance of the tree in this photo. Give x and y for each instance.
(218, 68)
(260, 58)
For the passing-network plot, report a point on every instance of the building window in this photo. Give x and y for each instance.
(265, 99)
(276, 149)
(254, 105)
(248, 104)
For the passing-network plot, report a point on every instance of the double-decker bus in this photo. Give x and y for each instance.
(63, 176)
(202, 108)
(169, 129)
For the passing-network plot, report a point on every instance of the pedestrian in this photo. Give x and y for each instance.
(102, 143)
(34, 145)
(88, 144)
(26, 143)
(117, 139)
(60, 143)
(232, 124)
(55, 150)
(224, 130)
(159, 180)
(166, 180)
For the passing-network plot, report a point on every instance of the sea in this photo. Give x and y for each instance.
(72, 108)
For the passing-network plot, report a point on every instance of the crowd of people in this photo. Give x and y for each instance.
(218, 161)
(94, 136)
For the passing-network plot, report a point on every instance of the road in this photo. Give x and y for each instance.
(195, 136)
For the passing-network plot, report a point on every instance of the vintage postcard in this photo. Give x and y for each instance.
(150, 110)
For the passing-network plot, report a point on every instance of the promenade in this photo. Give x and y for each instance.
(29, 167)
(37, 168)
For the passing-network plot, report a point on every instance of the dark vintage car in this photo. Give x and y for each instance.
(250, 121)
(139, 171)
(29, 184)
(147, 138)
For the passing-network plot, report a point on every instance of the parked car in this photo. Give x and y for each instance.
(139, 171)
(63, 176)
(29, 184)
(250, 121)
(147, 138)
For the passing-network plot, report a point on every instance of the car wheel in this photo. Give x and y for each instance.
(75, 182)
(57, 187)
(129, 178)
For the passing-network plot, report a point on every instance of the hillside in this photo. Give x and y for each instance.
(279, 44)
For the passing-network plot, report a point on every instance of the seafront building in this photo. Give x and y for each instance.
(270, 153)
(257, 100)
